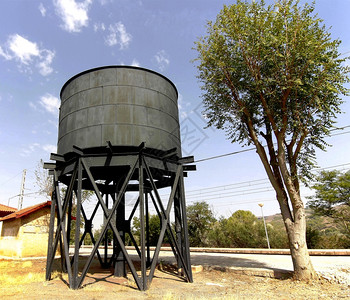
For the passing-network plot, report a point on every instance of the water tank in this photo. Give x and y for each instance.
(121, 104)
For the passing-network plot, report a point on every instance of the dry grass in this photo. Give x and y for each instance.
(59, 275)
(94, 288)
(173, 296)
(14, 277)
(30, 277)
(27, 264)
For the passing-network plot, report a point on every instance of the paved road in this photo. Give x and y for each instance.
(248, 260)
(283, 262)
(330, 266)
(335, 268)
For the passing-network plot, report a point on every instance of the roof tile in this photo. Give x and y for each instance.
(26, 211)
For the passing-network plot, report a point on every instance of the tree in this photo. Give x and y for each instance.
(43, 180)
(243, 230)
(109, 233)
(277, 235)
(154, 224)
(200, 219)
(332, 198)
(272, 77)
(45, 184)
(312, 237)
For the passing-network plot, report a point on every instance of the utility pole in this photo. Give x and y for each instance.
(21, 193)
(267, 236)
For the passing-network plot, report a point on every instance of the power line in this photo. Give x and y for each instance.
(244, 202)
(341, 54)
(332, 167)
(228, 186)
(253, 148)
(340, 128)
(223, 155)
(256, 191)
(206, 194)
(340, 133)
(251, 183)
(6, 181)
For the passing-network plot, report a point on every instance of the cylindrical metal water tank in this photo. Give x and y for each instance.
(121, 104)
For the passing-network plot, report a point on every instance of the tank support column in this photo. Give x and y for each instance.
(120, 268)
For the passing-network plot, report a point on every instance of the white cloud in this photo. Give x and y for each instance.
(50, 148)
(53, 123)
(118, 35)
(162, 60)
(73, 14)
(23, 49)
(45, 64)
(181, 102)
(42, 9)
(32, 105)
(50, 103)
(35, 147)
(8, 98)
(104, 2)
(30, 149)
(4, 54)
(99, 26)
(135, 63)
(28, 53)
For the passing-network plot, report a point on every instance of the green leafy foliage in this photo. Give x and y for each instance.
(332, 188)
(97, 234)
(312, 237)
(241, 230)
(154, 230)
(277, 235)
(244, 230)
(332, 199)
(200, 219)
(272, 69)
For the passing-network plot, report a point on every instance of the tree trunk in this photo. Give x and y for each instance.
(285, 187)
(296, 230)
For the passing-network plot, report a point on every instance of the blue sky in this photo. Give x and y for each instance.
(44, 43)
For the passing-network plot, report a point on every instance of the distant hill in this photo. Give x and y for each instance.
(320, 223)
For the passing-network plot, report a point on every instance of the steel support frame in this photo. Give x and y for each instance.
(144, 167)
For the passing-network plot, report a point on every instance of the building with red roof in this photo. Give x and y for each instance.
(6, 210)
(25, 232)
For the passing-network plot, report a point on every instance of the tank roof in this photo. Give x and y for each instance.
(116, 67)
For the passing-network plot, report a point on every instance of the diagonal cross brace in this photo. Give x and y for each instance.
(89, 230)
(50, 240)
(61, 225)
(165, 222)
(108, 222)
(130, 234)
(160, 218)
(161, 204)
